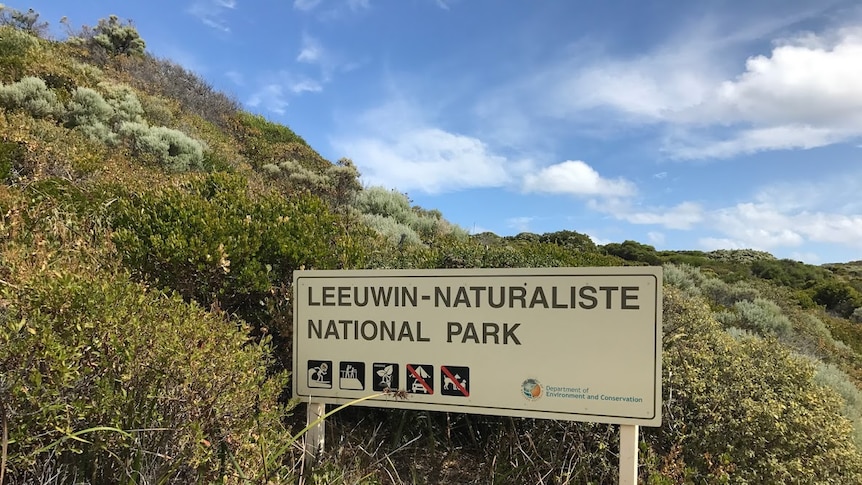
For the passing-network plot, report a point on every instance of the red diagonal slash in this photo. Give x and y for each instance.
(419, 378)
(455, 381)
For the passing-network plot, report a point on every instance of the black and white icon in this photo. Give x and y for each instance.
(420, 379)
(456, 381)
(352, 376)
(385, 376)
(319, 374)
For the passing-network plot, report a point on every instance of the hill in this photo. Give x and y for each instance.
(149, 230)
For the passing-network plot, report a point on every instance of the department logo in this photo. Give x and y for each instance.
(531, 389)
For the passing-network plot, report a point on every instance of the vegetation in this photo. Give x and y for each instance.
(149, 230)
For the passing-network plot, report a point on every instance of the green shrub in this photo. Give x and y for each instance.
(394, 231)
(184, 385)
(743, 410)
(837, 296)
(89, 112)
(32, 96)
(686, 278)
(118, 38)
(761, 316)
(171, 148)
(570, 239)
(213, 242)
(834, 378)
(633, 251)
(27, 22)
(15, 47)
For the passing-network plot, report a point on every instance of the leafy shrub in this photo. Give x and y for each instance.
(686, 278)
(170, 80)
(211, 241)
(170, 148)
(740, 255)
(88, 111)
(118, 38)
(788, 272)
(633, 251)
(837, 296)
(856, 316)
(743, 411)
(24, 21)
(394, 231)
(834, 378)
(570, 239)
(761, 316)
(31, 95)
(92, 352)
(15, 47)
(728, 294)
(427, 224)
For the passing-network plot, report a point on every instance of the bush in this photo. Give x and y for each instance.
(171, 148)
(760, 316)
(32, 96)
(24, 21)
(88, 111)
(185, 386)
(828, 375)
(743, 411)
(211, 241)
(118, 38)
(170, 80)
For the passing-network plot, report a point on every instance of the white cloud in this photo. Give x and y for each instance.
(306, 5)
(270, 96)
(655, 237)
(682, 216)
(211, 12)
(520, 224)
(576, 178)
(427, 159)
(236, 77)
(803, 92)
(713, 243)
(311, 51)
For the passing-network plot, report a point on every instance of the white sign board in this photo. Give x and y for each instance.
(581, 344)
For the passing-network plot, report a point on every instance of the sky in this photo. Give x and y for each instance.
(716, 124)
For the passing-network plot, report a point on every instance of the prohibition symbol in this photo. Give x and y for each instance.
(455, 381)
(420, 379)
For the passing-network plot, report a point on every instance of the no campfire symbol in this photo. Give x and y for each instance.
(456, 381)
(420, 379)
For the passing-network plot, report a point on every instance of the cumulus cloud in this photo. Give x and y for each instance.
(575, 177)
(681, 216)
(805, 91)
(427, 159)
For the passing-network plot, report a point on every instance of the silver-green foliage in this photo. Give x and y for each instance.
(828, 375)
(390, 204)
(394, 231)
(31, 95)
(173, 149)
(88, 111)
(118, 37)
(761, 316)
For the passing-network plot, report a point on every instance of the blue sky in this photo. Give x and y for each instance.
(685, 125)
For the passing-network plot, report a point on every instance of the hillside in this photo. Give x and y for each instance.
(149, 230)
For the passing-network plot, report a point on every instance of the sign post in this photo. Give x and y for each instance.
(578, 344)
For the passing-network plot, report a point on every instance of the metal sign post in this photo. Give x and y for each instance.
(628, 454)
(314, 438)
